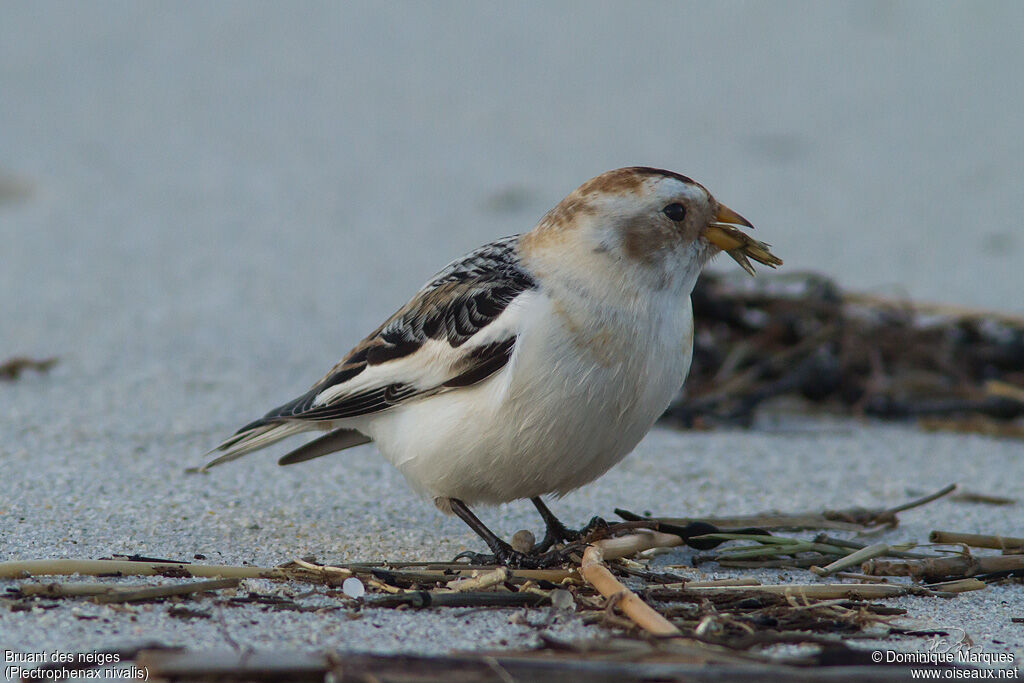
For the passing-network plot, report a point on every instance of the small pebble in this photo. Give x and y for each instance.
(523, 540)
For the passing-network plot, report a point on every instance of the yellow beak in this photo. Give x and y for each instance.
(724, 232)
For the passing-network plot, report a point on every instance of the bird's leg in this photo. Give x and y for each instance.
(556, 531)
(503, 552)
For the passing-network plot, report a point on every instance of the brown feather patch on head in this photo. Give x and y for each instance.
(627, 180)
(619, 181)
(644, 240)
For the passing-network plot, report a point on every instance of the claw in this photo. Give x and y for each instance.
(476, 558)
(596, 524)
(548, 560)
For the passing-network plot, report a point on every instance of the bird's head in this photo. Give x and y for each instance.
(651, 223)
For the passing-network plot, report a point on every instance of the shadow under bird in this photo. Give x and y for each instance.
(531, 365)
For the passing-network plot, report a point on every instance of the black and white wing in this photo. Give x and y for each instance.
(451, 334)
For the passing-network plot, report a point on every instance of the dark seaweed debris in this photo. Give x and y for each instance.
(799, 335)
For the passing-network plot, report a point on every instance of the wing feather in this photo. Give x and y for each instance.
(445, 338)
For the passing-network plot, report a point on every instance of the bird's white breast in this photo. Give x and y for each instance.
(584, 385)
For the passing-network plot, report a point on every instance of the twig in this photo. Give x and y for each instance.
(483, 581)
(918, 502)
(598, 576)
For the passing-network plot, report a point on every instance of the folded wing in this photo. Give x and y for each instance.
(458, 330)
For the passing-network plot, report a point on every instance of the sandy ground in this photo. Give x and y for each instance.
(202, 206)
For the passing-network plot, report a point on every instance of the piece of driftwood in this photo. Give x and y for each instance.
(944, 567)
(1005, 543)
(799, 335)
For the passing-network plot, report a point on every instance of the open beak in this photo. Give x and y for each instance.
(724, 232)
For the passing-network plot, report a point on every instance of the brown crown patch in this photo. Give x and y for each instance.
(626, 180)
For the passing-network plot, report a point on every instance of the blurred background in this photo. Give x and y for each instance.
(239, 190)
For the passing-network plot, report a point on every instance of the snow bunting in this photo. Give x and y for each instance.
(533, 364)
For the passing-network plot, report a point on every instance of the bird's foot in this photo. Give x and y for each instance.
(508, 556)
(595, 527)
(559, 533)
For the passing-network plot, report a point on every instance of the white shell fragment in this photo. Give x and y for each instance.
(562, 599)
(353, 587)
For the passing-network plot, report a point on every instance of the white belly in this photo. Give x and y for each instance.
(570, 404)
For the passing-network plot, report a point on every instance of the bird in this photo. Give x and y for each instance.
(532, 365)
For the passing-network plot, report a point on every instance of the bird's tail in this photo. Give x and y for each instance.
(252, 438)
(258, 434)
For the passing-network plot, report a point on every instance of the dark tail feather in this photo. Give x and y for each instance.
(338, 440)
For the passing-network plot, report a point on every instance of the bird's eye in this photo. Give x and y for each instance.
(676, 212)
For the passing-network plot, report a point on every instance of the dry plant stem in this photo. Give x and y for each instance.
(994, 387)
(968, 496)
(327, 572)
(768, 520)
(853, 559)
(796, 563)
(624, 546)
(597, 575)
(484, 581)
(155, 592)
(552, 575)
(817, 591)
(107, 593)
(850, 519)
(944, 566)
(26, 568)
(977, 540)
(959, 585)
(709, 584)
(863, 578)
(894, 550)
(890, 513)
(63, 590)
